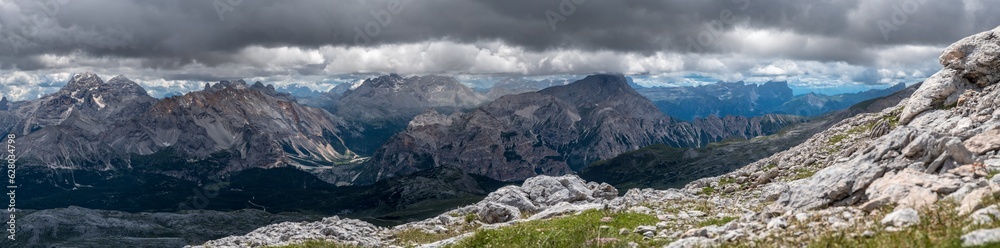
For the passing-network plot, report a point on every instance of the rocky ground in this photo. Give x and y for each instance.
(919, 174)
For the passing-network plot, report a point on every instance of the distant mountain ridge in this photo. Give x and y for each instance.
(379, 107)
(812, 104)
(662, 167)
(720, 99)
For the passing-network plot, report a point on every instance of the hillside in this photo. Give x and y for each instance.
(922, 173)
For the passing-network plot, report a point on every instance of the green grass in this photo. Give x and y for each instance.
(836, 139)
(893, 120)
(708, 190)
(940, 226)
(950, 106)
(726, 181)
(803, 173)
(568, 231)
(867, 127)
(410, 237)
(470, 218)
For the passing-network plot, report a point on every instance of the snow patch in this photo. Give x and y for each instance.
(99, 100)
(357, 84)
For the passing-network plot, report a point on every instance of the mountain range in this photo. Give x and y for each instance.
(109, 145)
(915, 169)
(380, 107)
(550, 132)
(93, 125)
(661, 166)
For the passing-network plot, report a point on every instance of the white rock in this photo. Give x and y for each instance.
(645, 229)
(492, 213)
(985, 215)
(902, 217)
(565, 208)
(777, 222)
(971, 201)
(981, 237)
(696, 213)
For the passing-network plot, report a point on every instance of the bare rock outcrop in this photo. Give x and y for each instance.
(934, 136)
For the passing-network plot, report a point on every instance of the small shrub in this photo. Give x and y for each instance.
(470, 218)
(726, 181)
(708, 190)
(940, 226)
(803, 173)
(836, 139)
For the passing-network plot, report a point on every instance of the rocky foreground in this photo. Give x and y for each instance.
(922, 173)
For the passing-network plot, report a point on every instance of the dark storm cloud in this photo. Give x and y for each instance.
(173, 33)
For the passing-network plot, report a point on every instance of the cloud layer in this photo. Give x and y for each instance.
(309, 42)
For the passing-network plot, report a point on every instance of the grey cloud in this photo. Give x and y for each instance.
(187, 41)
(173, 33)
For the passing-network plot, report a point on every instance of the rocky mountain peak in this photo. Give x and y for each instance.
(83, 81)
(121, 83)
(240, 84)
(383, 81)
(603, 81)
(431, 117)
(969, 65)
(4, 103)
(593, 88)
(119, 78)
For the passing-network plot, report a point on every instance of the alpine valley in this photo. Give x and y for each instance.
(913, 168)
(388, 150)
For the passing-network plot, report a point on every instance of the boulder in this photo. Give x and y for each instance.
(971, 62)
(564, 208)
(972, 200)
(909, 188)
(346, 231)
(900, 218)
(512, 196)
(985, 215)
(984, 142)
(776, 223)
(981, 237)
(492, 213)
(548, 190)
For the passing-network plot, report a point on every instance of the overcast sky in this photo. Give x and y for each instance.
(172, 46)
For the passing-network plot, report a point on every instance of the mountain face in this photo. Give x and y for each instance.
(812, 104)
(553, 132)
(86, 98)
(720, 99)
(257, 126)
(90, 124)
(392, 96)
(64, 129)
(380, 107)
(920, 173)
(661, 166)
(714, 128)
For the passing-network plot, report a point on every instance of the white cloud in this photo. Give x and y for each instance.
(323, 67)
